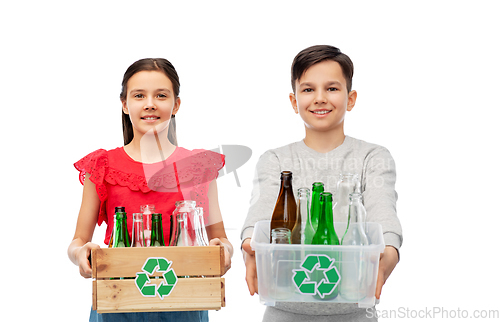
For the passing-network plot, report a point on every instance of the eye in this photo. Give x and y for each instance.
(307, 90)
(138, 95)
(161, 95)
(332, 89)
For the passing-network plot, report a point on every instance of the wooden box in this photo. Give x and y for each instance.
(157, 279)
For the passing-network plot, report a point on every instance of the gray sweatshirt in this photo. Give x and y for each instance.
(377, 173)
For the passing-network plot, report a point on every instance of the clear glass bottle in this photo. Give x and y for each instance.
(147, 211)
(282, 286)
(353, 285)
(181, 236)
(201, 232)
(345, 186)
(185, 223)
(303, 232)
(281, 236)
(138, 231)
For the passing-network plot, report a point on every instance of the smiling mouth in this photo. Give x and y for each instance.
(150, 118)
(321, 112)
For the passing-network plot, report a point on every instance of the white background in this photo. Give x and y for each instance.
(426, 73)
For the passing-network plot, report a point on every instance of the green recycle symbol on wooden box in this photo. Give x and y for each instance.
(317, 275)
(158, 264)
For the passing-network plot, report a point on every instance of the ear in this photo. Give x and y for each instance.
(124, 107)
(351, 99)
(293, 100)
(176, 106)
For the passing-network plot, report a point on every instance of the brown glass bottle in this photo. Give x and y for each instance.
(285, 210)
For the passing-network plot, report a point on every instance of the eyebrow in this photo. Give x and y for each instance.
(307, 84)
(157, 90)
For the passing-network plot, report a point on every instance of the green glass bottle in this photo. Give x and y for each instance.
(157, 231)
(317, 189)
(325, 235)
(120, 231)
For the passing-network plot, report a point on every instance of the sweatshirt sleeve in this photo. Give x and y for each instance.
(380, 195)
(266, 185)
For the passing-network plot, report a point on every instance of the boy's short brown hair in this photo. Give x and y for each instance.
(316, 54)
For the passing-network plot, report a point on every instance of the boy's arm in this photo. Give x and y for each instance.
(380, 196)
(266, 185)
(380, 202)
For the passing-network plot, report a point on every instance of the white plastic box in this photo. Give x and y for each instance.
(317, 273)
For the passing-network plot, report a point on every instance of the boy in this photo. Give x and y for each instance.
(321, 83)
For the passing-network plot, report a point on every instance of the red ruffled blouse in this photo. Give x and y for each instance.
(122, 182)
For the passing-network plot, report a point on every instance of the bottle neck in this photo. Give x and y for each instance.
(280, 236)
(326, 215)
(355, 206)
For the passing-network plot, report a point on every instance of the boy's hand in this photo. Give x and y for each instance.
(251, 267)
(227, 254)
(82, 257)
(388, 260)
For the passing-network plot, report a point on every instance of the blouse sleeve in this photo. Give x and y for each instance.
(205, 166)
(96, 165)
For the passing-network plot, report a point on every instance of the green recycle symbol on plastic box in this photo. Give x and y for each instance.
(151, 265)
(315, 264)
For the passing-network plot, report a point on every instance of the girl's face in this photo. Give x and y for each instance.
(321, 97)
(150, 102)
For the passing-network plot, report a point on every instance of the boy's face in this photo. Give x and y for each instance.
(321, 97)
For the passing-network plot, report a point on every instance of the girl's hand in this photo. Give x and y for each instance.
(251, 267)
(227, 253)
(82, 257)
(388, 260)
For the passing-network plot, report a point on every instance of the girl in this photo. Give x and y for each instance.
(148, 169)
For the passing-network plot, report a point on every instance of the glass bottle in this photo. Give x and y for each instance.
(201, 232)
(156, 231)
(353, 285)
(281, 236)
(345, 186)
(325, 235)
(281, 264)
(117, 210)
(147, 210)
(355, 233)
(285, 210)
(317, 189)
(138, 231)
(120, 231)
(303, 231)
(181, 236)
(186, 229)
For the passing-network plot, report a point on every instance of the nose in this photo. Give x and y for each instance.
(320, 97)
(150, 105)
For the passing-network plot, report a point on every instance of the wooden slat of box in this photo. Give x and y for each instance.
(193, 293)
(188, 294)
(127, 261)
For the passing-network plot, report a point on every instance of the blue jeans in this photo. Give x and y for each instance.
(184, 316)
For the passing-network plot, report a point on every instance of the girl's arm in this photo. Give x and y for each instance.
(80, 247)
(215, 227)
